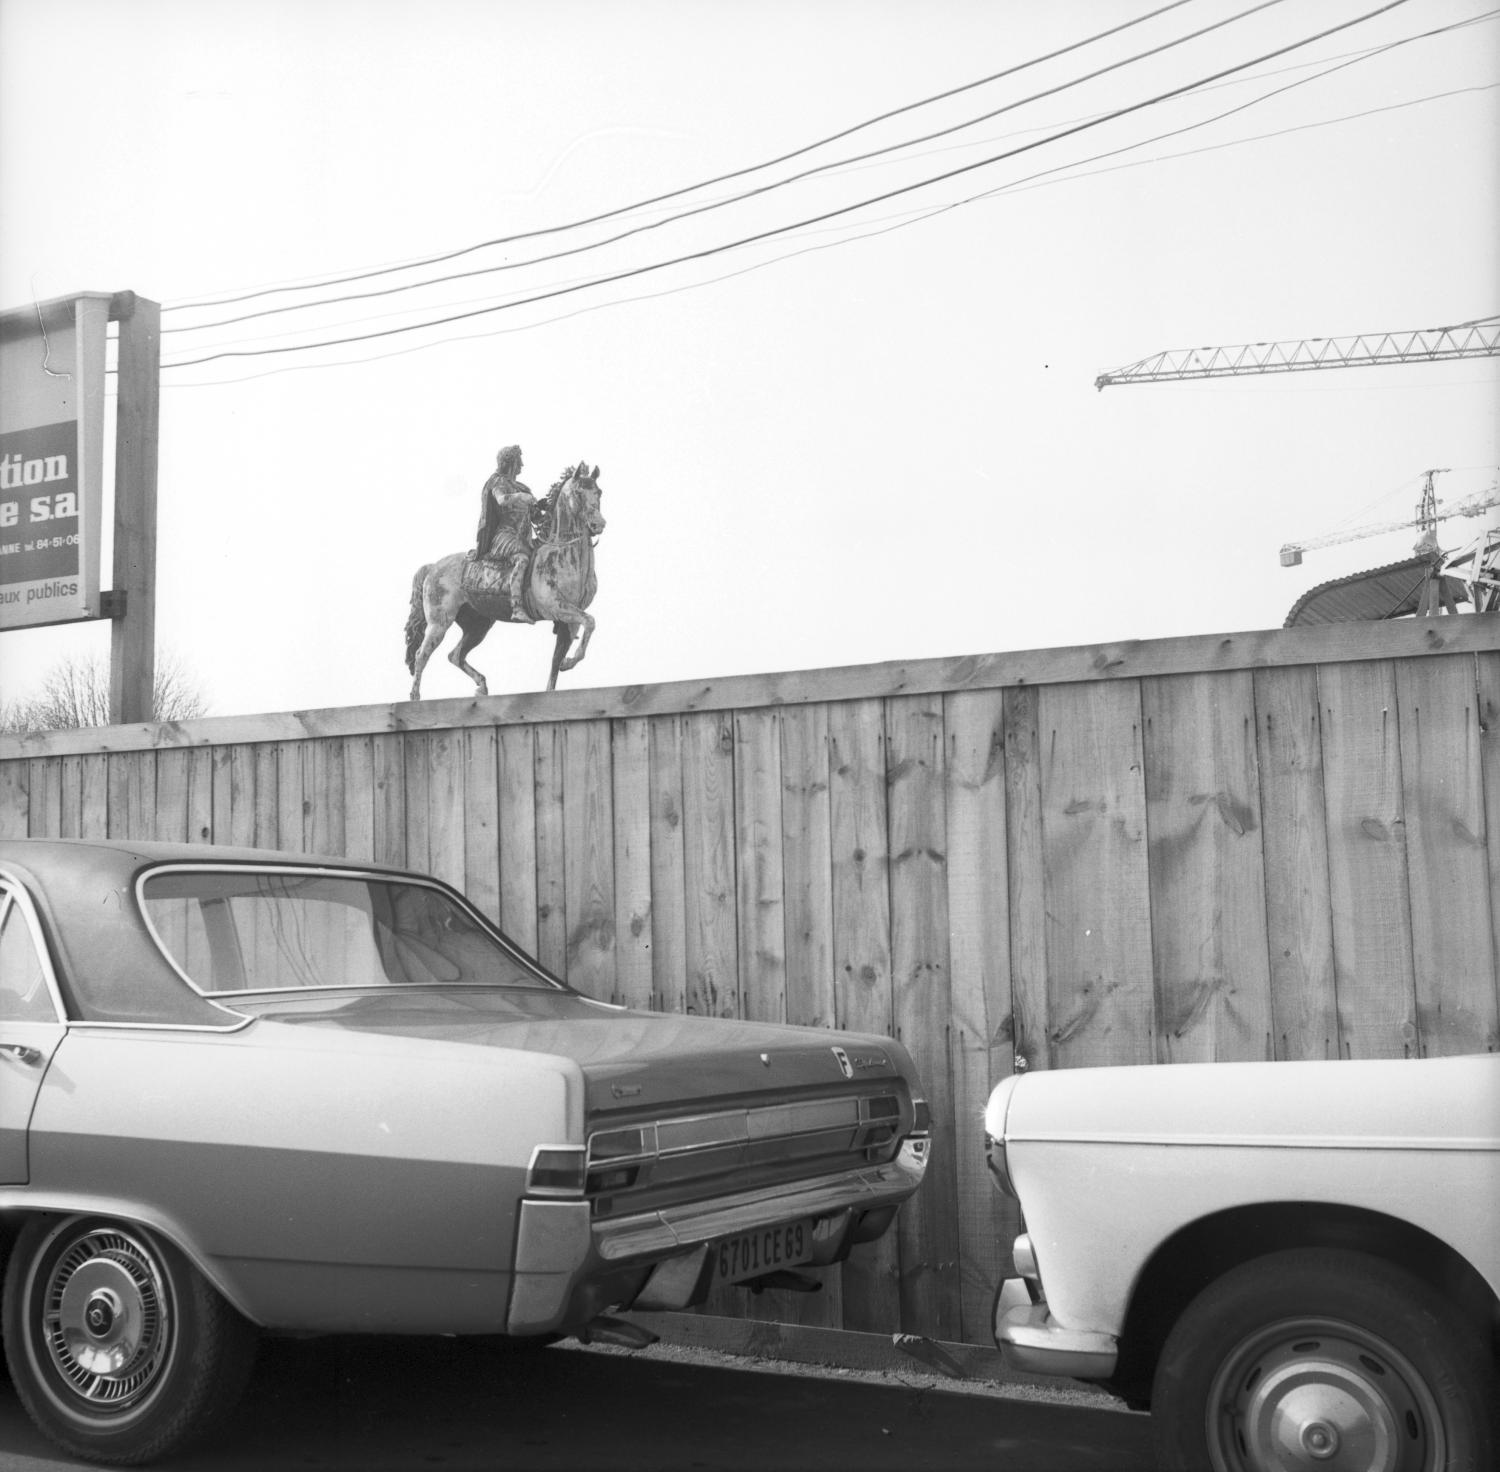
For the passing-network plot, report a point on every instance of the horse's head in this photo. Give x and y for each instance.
(581, 491)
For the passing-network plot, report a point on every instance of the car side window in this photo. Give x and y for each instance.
(23, 984)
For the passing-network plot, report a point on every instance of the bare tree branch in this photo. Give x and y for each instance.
(76, 693)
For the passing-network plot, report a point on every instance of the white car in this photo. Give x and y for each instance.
(1294, 1265)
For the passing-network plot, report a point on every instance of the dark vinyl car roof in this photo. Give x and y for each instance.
(108, 967)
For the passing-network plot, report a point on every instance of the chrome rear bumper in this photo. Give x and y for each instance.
(558, 1245)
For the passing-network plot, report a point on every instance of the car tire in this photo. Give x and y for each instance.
(119, 1349)
(1321, 1358)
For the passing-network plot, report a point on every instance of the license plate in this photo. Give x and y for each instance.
(749, 1254)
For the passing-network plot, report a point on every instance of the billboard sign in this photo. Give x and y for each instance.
(51, 460)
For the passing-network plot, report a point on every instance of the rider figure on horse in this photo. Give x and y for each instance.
(506, 533)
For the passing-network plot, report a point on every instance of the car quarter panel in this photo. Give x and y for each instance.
(1110, 1163)
(324, 1180)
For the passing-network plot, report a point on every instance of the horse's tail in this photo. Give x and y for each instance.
(416, 621)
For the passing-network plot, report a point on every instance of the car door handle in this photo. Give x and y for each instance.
(25, 1054)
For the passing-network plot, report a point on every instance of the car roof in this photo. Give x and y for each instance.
(108, 967)
(54, 856)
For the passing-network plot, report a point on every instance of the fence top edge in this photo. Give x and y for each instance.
(1071, 664)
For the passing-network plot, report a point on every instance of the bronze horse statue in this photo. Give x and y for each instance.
(559, 585)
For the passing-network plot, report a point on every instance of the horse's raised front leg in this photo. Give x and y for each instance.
(567, 622)
(564, 634)
(587, 620)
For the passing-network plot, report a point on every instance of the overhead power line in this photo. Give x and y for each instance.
(883, 226)
(717, 204)
(806, 148)
(839, 212)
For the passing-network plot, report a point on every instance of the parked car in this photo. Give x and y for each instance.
(243, 1092)
(1294, 1265)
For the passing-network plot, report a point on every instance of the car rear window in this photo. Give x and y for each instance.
(248, 930)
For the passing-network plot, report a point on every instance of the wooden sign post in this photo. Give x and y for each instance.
(132, 650)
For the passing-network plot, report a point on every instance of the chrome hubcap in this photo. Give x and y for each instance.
(105, 1324)
(1319, 1396)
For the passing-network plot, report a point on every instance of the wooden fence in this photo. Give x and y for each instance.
(1222, 847)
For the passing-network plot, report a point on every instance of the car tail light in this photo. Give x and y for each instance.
(557, 1170)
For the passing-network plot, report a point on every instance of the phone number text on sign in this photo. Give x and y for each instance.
(763, 1251)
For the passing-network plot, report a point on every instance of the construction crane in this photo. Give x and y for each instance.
(1426, 518)
(1429, 581)
(1478, 339)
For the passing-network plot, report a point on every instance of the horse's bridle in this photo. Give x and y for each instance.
(561, 541)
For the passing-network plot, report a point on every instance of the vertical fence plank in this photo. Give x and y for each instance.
(132, 794)
(70, 815)
(550, 858)
(266, 795)
(807, 866)
(1030, 1035)
(861, 951)
(291, 807)
(1299, 926)
(589, 858)
(445, 806)
(979, 959)
(1488, 685)
(200, 803)
(516, 801)
(1207, 868)
(15, 799)
(630, 779)
(171, 820)
(668, 868)
(760, 901)
(234, 796)
(94, 796)
(222, 767)
(759, 898)
(1443, 801)
(388, 762)
(416, 811)
(481, 817)
(708, 858)
(359, 789)
(923, 1004)
(44, 783)
(323, 789)
(807, 882)
(1098, 901)
(1367, 871)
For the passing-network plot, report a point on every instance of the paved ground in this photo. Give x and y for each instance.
(398, 1405)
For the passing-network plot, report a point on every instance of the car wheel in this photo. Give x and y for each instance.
(1325, 1361)
(118, 1348)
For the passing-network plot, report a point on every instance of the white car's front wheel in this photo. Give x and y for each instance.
(1323, 1360)
(118, 1348)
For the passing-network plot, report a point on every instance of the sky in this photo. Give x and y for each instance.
(839, 419)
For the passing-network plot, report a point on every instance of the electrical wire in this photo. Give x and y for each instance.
(731, 199)
(702, 184)
(1039, 180)
(816, 219)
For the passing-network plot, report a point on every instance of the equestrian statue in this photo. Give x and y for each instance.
(532, 561)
